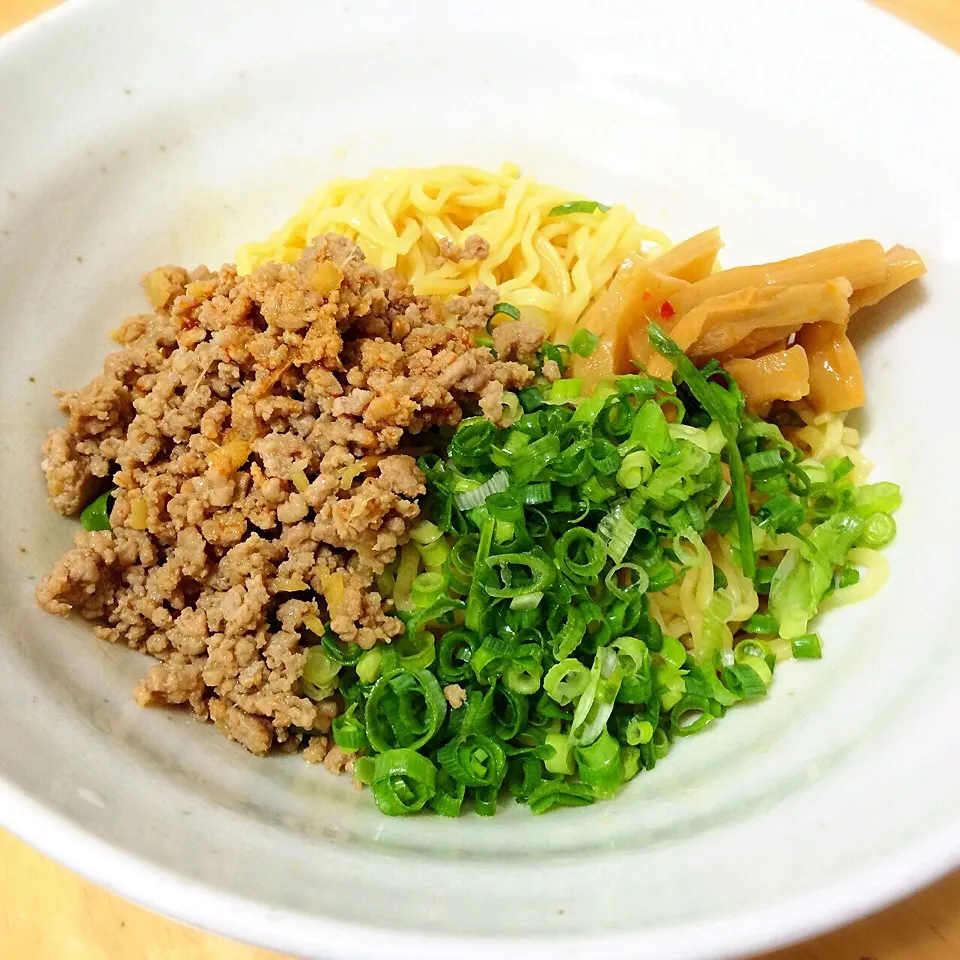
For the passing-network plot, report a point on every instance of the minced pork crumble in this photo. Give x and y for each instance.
(254, 431)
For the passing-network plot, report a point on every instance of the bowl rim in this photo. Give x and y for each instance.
(198, 905)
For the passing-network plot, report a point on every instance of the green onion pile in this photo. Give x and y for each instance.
(531, 665)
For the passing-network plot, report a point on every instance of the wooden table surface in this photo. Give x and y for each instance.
(48, 913)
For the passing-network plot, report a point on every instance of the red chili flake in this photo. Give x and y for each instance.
(647, 295)
(666, 310)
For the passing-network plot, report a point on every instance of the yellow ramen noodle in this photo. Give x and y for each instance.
(549, 266)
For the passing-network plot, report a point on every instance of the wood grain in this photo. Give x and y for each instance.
(939, 18)
(48, 913)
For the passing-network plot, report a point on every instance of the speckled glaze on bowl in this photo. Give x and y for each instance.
(136, 133)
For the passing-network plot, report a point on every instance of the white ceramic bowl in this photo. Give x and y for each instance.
(137, 133)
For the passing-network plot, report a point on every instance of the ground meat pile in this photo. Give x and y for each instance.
(255, 431)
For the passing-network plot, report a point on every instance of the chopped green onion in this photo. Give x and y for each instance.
(533, 459)
(839, 467)
(558, 793)
(638, 730)
(598, 489)
(515, 442)
(461, 561)
(655, 750)
(524, 675)
(403, 781)
(743, 681)
(879, 530)
(505, 508)
(526, 601)
(492, 656)
(559, 759)
(673, 651)
(806, 647)
(427, 588)
(580, 554)
(583, 342)
(637, 386)
(509, 712)
(724, 408)
(541, 574)
(474, 760)
(650, 432)
(547, 712)
(764, 460)
(668, 684)
(531, 398)
(348, 732)
(404, 710)
(755, 647)
(346, 654)
(566, 626)
(406, 573)
(761, 623)
(508, 309)
(763, 578)
(690, 715)
(454, 654)
(634, 656)
(563, 391)
(319, 674)
(847, 577)
(96, 515)
(780, 649)
(477, 602)
(617, 530)
(510, 409)
(368, 666)
(363, 769)
(589, 408)
(804, 576)
(478, 496)
(600, 765)
(415, 650)
(615, 417)
(603, 457)
(534, 493)
(711, 439)
(780, 513)
(566, 681)
(525, 774)
(874, 497)
(577, 206)
(635, 469)
(425, 533)
(470, 445)
(449, 795)
(485, 800)
(630, 762)
(596, 702)
(637, 581)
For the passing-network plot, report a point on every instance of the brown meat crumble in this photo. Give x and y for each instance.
(254, 429)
